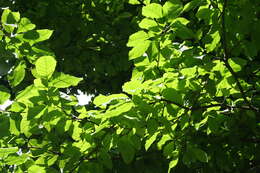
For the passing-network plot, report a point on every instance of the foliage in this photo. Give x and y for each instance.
(191, 105)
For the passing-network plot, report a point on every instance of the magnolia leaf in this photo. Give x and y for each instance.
(9, 20)
(134, 2)
(17, 75)
(213, 41)
(200, 154)
(116, 111)
(106, 160)
(137, 38)
(172, 9)
(237, 63)
(152, 10)
(45, 66)
(139, 49)
(204, 13)
(36, 168)
(191, 5)
(76, 131)
(150, 141)
(16, 160)
(6, 151)
(147, 23)
(35, 36)
(4, 94)
(102, 100)
(126, 149)
(173, 163)
(201, 123)
(61, 80)
(25, 25)
(25, 127)
(133, 87)
(13, 127)
(163, 140)
(52, 160)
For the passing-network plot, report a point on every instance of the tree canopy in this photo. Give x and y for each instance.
(176, 85)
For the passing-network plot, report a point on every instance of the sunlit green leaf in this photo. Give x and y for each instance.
(61, 80)
(17, 75)
(152, 10)
(172, 9)
(4, 94)
(150, 141)
(25, 25)
(237, 63)
(147, 23)
(45, 66)
(16, 160)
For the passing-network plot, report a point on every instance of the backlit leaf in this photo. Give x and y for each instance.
(152, 10)
(45, 66)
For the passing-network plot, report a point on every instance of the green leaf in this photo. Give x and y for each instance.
(204, 13)
(102, 100)
(123, 108)
(76, 131)
(139, 49)
(13, 126)
(126, 149)
(9, 20)
(133, 87)
(61, 80)
(17, 75)
(172, 95)
(36, 168)
(52, 160)
(201, 123)
(163, 140)
(137, 38)
(16, 160)
(200, 154)
(133, 2)
(45, 66)
(237, 63)
(25, 25)
(191, 5)
(181, 30)
(4, 94)
(150, 141)
(152, 10)
(1, 35)
(172, 9)
(35, 36)
(147, 23)
(212, 41)
(6, 151)
(106, 160)
(173, 163)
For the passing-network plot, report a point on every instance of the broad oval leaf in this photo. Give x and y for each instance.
(45, 66)
(152, 10)
(139, 49)
(61, 80)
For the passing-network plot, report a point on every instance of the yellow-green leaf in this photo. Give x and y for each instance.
(45, 66)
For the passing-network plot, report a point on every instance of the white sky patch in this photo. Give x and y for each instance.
(6, 104)
(83, 98)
